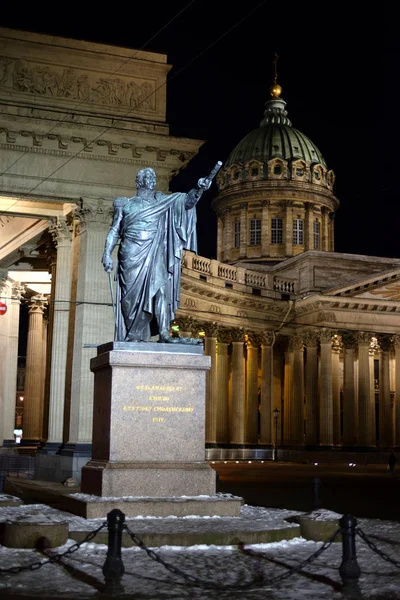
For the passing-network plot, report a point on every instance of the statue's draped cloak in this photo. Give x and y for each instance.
(149, 257)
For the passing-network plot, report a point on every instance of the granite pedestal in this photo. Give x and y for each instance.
(149, 422)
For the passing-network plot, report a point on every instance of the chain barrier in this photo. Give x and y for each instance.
(54, 557)
(375, 549)
(299, 567)
(258, 575)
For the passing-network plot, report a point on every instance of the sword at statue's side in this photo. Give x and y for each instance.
(112, 299)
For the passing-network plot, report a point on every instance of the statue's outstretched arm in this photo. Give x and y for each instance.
(202, 185)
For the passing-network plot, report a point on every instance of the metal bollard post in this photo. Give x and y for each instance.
(349, 569)
(316, 485)
(2, 481)
(113, 568)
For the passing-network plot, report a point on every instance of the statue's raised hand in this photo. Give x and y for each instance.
(107, 262)
(204, 183)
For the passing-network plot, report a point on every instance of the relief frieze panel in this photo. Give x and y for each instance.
(69, 83)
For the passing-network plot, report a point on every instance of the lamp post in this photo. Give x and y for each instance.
(276, 412)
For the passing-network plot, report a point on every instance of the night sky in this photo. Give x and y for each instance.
(338, 68)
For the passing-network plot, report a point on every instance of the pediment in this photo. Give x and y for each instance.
(382, 287)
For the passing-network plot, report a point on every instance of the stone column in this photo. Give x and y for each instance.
(265, 236)
(325, 229)
(326, 392)
(350, 399)
(34, 372)
(210, 349)
(309, 227)
(385, 407)
(10, 294)
(51, 255)
(61, 232)
(311, 389)
(252, 414)
(331, 232)
(364, 390)
(220, 238)
(297, 409)
(91, 323)
(45, 325)
(243, 230)
(238, 389)
(222, 397)
(336, 345)
(267, 389)
(289, 228)
(396, 343)
(227, 241)
(373, 350)
(288, 393)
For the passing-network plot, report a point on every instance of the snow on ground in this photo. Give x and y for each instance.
(229, 572)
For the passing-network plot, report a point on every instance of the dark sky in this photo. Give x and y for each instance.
(338, 67)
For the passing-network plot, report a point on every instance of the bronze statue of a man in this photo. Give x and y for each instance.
(153, 229)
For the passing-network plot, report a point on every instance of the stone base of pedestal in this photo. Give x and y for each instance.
(102, 478)
(94, 507)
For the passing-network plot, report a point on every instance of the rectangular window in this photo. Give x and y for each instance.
(298, 232)
(255, 232)
(237, 234)
(276, 231)
(317, 235)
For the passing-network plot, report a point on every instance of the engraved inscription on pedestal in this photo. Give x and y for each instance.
(148, 425)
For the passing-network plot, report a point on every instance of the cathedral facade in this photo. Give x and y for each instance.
(304, 341)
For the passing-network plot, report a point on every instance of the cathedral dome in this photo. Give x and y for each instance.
(275, 138)
(275, 151)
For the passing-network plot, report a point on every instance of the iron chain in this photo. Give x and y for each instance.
(303, 564)
(376, 549)
(259, 579)
(55, 557)
(176, 571)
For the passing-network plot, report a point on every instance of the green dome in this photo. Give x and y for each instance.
(275, 138)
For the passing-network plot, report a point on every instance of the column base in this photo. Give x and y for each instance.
(9, 443)
(32, 442)
(50, 448)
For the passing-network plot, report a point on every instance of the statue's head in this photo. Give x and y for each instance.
(146, 178)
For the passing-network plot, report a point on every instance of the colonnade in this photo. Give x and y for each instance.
(322, 382)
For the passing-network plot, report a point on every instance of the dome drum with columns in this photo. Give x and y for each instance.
(275, 193)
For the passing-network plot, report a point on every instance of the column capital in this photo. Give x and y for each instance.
(253, 340)
(93, 213)
(325, 335)
(184, 323)
(267, 337)
(60, 229)
(237, 334)
(363, 338)
(38, 304)
(385, 342)
(224, 335)
(18, 290)
(311, 338)
(349, 341)
(211, 329)
(396, 341)
(296, 342)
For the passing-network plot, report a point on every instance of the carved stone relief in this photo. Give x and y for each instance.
(77, 84)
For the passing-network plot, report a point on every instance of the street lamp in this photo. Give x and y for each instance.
(276, 412)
